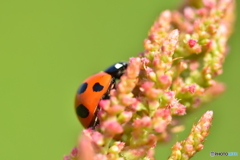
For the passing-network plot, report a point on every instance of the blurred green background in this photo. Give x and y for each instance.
(48, 47)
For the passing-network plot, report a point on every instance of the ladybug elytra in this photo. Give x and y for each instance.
(92, 90)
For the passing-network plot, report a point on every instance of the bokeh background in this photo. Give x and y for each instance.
(48, 47)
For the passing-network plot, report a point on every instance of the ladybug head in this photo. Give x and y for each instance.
(117, 69)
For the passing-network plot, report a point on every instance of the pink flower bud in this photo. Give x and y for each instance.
(111, 127)
(97, 138)
(116, 147)
(85, 142)
(133, 67)
(209, 3)
(192, 43)
(115, 109)
(74, 152)
(189, 148)
(125, 116)
(202, 12)
(177, 108)
(161, 120)
(148, 89)
(66, 157)
(170, 94)
(165, 80)
(191, 88)
(189, 13)
(143, 122)
(145, 60)
(104, 104)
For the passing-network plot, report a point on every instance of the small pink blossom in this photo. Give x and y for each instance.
(127, 99)
(143, 122)
(149, 70)
(191, 88)
(149, 90)
(166, 80)
(111, 127)
(85, 142)
(66, 157)
(116, 147)
(202, 12)
(161, 120)
(104, 104)
(169, 95)
(133, 70)
(97, 138)
(189, 13)
(177, 108)
(115, 109)
(192, 43)
(74, 152)
(209, 3)
(163, 113)
(145, 61)
(125, 116)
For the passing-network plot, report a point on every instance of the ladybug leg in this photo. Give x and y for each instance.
(95, 121)
(112, 86)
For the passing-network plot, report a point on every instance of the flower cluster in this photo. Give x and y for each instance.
(184, 52)
(194, 142)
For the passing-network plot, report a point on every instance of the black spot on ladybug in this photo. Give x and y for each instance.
(82, 111)
(82, 88)
(97, 87)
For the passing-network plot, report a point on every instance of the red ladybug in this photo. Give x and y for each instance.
(92, 90)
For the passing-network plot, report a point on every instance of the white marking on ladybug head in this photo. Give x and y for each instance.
(118, 65)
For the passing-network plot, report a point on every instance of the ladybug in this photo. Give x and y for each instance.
(92, 90)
